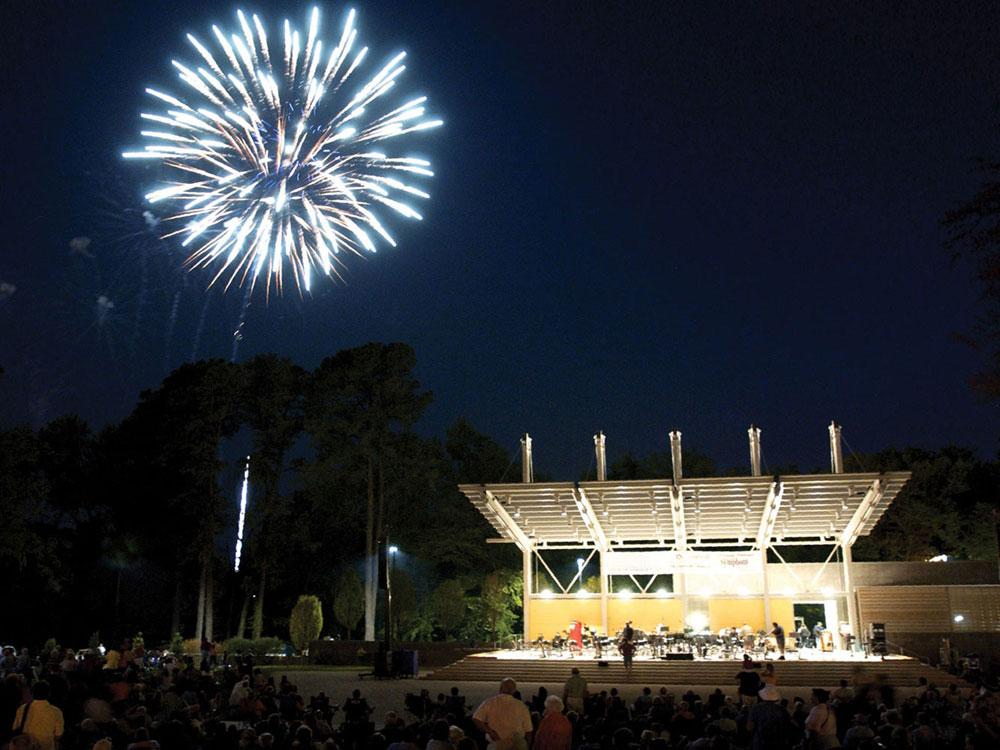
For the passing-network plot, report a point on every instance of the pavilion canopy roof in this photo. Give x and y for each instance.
(695, 512)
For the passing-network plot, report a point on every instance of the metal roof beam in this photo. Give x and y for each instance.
(868, 504)
(770, 515)
(589, 519)
(677, 516)
(520, 538)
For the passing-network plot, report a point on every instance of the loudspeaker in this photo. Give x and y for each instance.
(602, 663)
(383, 564)
(684, 656)
(876, 639)
(405, 663)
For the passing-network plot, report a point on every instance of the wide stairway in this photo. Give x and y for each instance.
(900, 672)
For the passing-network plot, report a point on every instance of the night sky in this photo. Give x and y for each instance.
(645, 216)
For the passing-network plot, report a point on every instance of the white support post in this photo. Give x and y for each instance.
(527, 471)
(764, 532)
(767, 591)
(680, 545)
(852, 601)
(836, 455)
(528, 584)
(601, 456)
(604, 593)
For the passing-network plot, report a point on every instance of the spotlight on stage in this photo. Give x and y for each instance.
(546, 594)
(698, 622)
(662, 593)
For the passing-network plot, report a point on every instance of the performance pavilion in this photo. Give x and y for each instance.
(702, 553)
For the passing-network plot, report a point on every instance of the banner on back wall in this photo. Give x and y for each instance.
(658, 562)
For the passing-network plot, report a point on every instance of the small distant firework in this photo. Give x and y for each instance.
(79, 246)
(276, 163)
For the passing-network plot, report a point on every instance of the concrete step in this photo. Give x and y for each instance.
(486, 668)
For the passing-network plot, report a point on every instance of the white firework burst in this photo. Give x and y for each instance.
(277, 163)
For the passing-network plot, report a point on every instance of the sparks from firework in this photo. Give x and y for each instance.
(277, 161)
(242, 519)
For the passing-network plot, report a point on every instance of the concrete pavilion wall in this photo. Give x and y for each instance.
(732, 600)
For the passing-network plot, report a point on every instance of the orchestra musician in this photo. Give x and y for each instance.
(627, 648)
(746, 633)
(576, 636)
(818, 631)
(779, 637)
(628, 634)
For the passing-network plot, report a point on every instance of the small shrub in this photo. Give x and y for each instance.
(306, 622)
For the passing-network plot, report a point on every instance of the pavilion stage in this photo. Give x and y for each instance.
(808, 669)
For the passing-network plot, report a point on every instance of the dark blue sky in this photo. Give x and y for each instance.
(645, 216)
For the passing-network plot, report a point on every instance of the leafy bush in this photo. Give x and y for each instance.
(176, 644)
(449, 606)
(349, 603)
(306, 622)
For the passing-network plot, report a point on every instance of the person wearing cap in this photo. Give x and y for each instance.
(768, 723)
(504, 719)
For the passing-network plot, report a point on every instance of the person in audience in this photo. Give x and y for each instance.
(504, 719)
(555, 732)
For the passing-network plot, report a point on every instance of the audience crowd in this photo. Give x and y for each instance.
(128, 700)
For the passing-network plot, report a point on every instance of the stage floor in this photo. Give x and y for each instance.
(807, 654)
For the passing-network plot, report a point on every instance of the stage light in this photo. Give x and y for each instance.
(583, 594)
(938, 558)
(662, 593)
(625, 594)
(393, 549)
(744, 591)
(706, 591)
(959, 618)
(546, 594)
(698, 622)
(788, 592)
(826, 591)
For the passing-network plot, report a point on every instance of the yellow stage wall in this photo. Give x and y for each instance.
(727, 613)
(645, 614)
(549, 616)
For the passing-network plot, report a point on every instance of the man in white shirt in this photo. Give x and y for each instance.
(504, 719)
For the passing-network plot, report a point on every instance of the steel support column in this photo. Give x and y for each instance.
(852, 601)
(528, 585)
(767, 591)
(604, 593)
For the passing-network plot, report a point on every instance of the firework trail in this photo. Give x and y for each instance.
(238, 332)
(198, 330)
(278, 159)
